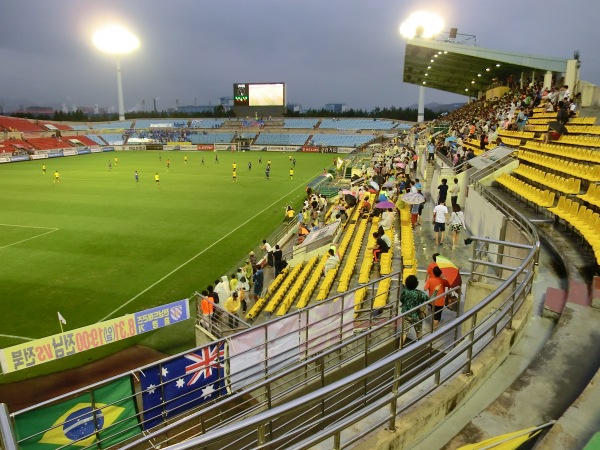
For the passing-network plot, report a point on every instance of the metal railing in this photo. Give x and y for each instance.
(396, 381)
(382, 376)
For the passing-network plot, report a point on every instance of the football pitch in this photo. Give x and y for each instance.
(100, 244)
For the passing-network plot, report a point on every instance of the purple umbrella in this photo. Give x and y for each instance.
(385, 205)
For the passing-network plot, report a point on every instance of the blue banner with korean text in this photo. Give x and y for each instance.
(161, 316)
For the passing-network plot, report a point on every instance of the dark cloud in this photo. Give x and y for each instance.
(194, 50)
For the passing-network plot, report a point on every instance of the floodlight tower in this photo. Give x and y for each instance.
(116, 40)
(421, 25)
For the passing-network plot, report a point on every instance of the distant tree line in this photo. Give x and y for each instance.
(393, 113)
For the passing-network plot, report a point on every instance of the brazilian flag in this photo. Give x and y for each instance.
(101, 418)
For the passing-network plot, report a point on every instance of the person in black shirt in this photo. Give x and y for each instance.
(443, 191)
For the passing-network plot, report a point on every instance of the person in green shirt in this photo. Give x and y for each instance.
(411, 297)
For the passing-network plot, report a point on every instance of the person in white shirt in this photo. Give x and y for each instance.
(454, 190)
(439, 222)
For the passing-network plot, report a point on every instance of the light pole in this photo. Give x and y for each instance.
(117, 41)
(421, 25)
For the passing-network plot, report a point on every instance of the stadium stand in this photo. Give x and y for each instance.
(281, 139)
(206, 123)
(211, 138)
(357, 124)
(340, 140)
(300, 123)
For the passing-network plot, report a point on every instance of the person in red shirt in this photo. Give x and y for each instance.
(436, 286)
(432, 265)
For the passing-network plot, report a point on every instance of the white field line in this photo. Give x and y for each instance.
(17, 337)
(50, 230)
(200, 253)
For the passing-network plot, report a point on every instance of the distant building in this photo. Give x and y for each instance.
(336, 107)
(294, 107)
(40, 110)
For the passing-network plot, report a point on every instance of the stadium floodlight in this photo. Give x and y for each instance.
(422, 24)
(117, 41)
(425, 25)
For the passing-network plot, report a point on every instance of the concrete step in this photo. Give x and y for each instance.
(555, 301)
(579, 293)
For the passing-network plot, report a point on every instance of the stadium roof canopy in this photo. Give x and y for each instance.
(466, 69)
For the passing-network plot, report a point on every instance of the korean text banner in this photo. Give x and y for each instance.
(39, 351)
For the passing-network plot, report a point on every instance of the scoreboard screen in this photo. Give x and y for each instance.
(259, 94)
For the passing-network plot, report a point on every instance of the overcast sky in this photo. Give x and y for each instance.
(327, 51)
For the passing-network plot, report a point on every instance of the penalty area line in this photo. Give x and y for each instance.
(201, 253)
(30, 238)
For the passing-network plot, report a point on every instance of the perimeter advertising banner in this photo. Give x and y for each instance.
(39, 351)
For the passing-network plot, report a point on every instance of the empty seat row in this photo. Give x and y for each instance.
(543, 198)
(556, 182)
(590, 172)
(565, 151)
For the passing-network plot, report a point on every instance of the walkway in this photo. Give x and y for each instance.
(549, 367)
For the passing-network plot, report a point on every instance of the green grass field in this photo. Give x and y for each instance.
(98, 244)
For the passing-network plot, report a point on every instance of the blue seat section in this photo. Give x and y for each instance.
(404, 126)
(143, 124)
(112, 126)
(206, 123)
(357, 124)
(300, 123)
(98, 139)
(211, 138)
(281, 139)
(80, 127)
(340, 140)
(112, 138)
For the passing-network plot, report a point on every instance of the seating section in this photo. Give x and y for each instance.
(592, 195)
(122, 125)
(261, 302)
(407, 243)
(300, 123)
(564, 151)
(112, 138)
(23, 125)
(583, 129)
(364, 275)
(310, 287)
(282, 290)
(556, 182)
(211, 138)
(584, 141)
(297, 287)
(589, 172)
(206, 123)
(97, 139)
(340, 140)
(281, 139)
(543, 198)
(357, 124)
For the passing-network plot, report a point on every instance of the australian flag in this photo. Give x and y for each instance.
(182, 383)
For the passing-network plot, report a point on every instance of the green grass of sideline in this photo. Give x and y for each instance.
(99, 244)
